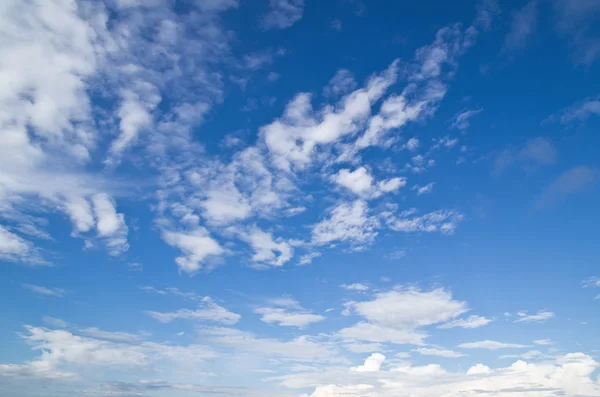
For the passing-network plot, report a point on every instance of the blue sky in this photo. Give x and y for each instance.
(299, 198)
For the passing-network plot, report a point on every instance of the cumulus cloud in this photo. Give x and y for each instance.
(195, 245)
(267, 251)
(361, 183)
(348, 222)
(373, 363)
(284, 318)
(355, 287)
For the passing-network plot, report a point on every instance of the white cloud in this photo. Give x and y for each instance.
(461, 120)
(348, 222)
(267, 251)
(373, 363)
(469, 322)
(528, 355)
(38, 289)
(438, 352)
(396, 316)
(543, 342)
(572, 181)
(196, 246)
(423, 189)
(285, 318)
(540, 316)
(490, 345)
(207, 310)
(283, 13)
(111, 225)
(442, 221)
(15, 248)
(413, 144)
(361, 183)
(116, 337)
(575, 22)
(363, 347)
(355, 287)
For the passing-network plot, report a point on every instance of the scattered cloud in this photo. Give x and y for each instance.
(283, 317)
(55, 322)
(207, 310)
(355, 287)
(539, 317)
(372, 364)
(469, 322)
(543, 342)
(423, 189)
(438, 352)
(283, 14)
(491, 345)
(46, 291)
(462, 120)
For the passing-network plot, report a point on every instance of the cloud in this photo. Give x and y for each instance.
(361, 183)
(536, 153)
(443, 221)
(543, 342)
(461, 120)
(423, 189)
(302, 348)
(341, 83)
(196, 246)
(267, 251)
(55, 322)
(285, 318)
(14, 248)
(438, 352)
(522, 27)
(111, 225)
(348, 222)
(396, 316)
(580, 111)
(413, 144)
(490, 345)
(572, 181)
(62, 351)
(355, 287)
(539, 317)
(575, 22)
(283, 14)
(373, 363)
(469, 322)
(56, 292)
(207, 310)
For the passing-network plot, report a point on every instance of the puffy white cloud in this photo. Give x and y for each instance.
(396, 316)
(373, 363)
(490, 345)
(285, 318)
(540, 316)
(111, 225)
(40, 290)
(267, 251)
(362, 183)
(348, 222)
(283, 13)
(355, 287)
(196, 246)
(413, 144)
(469, 322)
(207, 310)
(14, 248)
(426, 351)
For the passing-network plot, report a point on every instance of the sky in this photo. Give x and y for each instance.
(299, 198)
